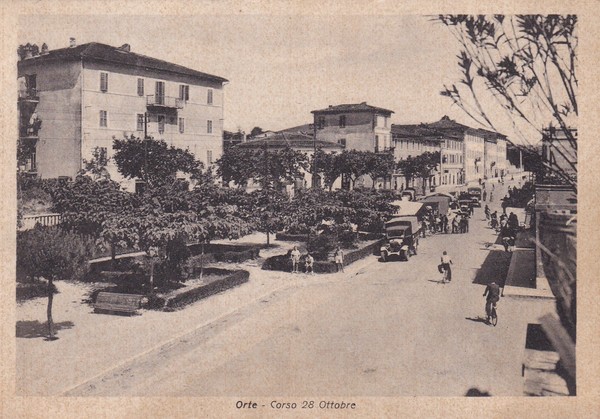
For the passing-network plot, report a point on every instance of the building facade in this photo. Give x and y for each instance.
(87, 95)
(355, 126)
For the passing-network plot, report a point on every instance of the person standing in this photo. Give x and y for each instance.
(338, 257)
(484, 195)
(446, 269)
(295, 257)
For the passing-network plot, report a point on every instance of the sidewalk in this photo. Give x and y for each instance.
(90, 345)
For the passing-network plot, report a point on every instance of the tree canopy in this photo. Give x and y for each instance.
(153, 161)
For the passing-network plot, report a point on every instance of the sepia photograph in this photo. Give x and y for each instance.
(295, 211)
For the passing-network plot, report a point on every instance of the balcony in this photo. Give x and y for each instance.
(28, 95)
(164, 102)
(30, 130)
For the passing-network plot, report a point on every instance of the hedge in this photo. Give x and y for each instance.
(288, 237)
(34, 289)
(185, 297)
(284, 263)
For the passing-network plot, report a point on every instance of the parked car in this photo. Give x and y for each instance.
(402, 238)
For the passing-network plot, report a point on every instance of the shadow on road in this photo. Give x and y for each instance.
(477, 319)
(495, 266)
(35, 329)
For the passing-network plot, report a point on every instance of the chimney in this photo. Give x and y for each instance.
(72, 42)
(125, 47)
(44, 50)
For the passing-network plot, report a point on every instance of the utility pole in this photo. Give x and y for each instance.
(314, 174)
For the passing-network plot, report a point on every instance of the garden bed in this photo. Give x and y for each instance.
(283, 262)
(288, 237)
(213, 281)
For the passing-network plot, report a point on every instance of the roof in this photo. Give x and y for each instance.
(407, 208)
(95, 51)
(421, 131)
(444, 128)
(292, 140)
(353, 107)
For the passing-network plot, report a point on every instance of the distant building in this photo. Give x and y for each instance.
(355, 126)
(298, 140)
(85, 95)
(233, 138)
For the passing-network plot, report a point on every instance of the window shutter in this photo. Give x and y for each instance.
(104, 82)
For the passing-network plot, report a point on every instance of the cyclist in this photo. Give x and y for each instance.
(492, 291)
(446, 270)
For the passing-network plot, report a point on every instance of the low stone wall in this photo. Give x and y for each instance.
(283, 262)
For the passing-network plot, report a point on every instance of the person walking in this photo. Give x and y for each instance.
(338, 257)
(491, 196)
(295, 257)
(487, 212)
(484, 195)
(445, 223)
(446, 261)
(309, 262)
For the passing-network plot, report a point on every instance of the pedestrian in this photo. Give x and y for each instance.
(309, 264)
(445, 223)
(295, 257)
(491, 196)
(339, 259)
(492, 291)
(424, 228)
(455, 221)
(446, 262)
(484, 195)
(487, 212)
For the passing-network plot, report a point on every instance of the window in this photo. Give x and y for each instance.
(342, 141)
(321, 122)
(184, 92)
(161, 124)
(140, 121)
(342, 121)
(209, 96)
(160, 93)
(140, 87)
(103, 82)
(209, 127)
(209, 159)
(181, 125)
(103, 119)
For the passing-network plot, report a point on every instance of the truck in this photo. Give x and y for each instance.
(402, 238)
(475, 195)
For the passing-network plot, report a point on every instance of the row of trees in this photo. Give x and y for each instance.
(168, 213)
(275, 167)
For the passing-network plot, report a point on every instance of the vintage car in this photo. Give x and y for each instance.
(402, 238)
(475, 195)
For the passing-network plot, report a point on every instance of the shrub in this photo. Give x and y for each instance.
(186, 297)
(33, 289)
(52, 253)
(322, 245)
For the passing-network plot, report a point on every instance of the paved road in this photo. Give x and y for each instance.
(381, 329)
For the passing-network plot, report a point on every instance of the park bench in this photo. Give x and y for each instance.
(117, 303)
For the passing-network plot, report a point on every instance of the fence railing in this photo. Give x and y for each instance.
(29, 221)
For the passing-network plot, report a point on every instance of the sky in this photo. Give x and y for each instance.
(279, 67)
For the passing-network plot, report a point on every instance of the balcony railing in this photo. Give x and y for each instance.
(29, 94)
(164, 101)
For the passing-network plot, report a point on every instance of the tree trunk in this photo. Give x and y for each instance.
(49, 309)
(151, 274)
(202, 261)
(113, 256)
(268, 239)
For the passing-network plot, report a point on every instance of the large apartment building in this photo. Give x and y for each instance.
(76, 99)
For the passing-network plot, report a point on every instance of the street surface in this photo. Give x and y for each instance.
(380, 329)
